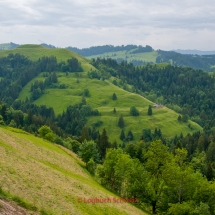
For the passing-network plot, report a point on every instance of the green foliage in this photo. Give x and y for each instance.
(46, 133)
(114, 97)
(84, 135)
(134, 111)
(121, 122)
(12, 123)
(1, 120)
(91, 166)
(83, 100)
(88, 150)
(122, 135)
(103, 143)
(150, 110)
(86, 93)
(73, 145)
(189, 208)
(129, 136)
(114, 110)
(184, 118)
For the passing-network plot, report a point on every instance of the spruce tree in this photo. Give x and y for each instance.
(114, 144)
(103, 143)
(130, 136)
(121, 122)
(122, 135)
(84, 135)
(114, 97)
(150, 110)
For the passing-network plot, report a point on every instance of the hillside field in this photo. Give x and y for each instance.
(128, 56)
(34, 52)
(51, 178)
(101, 98)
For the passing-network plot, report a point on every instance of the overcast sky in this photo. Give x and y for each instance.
(163, 24)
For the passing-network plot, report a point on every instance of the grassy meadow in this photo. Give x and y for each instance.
(51, 178)
(101, 98)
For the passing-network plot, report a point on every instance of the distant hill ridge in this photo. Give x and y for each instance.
(140, 56)
(95, 50)
(194, 52)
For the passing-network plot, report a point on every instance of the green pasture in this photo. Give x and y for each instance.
(101, 98)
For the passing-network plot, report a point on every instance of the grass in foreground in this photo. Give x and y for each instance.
(44, 177)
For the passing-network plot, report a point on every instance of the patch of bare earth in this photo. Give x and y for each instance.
(10, 208)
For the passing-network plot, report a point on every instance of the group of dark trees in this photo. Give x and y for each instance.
(159, 178)
(203, 62)
(38, 87)
(142, 49)
(17, 70)
(102, 49)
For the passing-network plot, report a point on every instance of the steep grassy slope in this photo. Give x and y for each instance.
(127, 55)
(51, 178)
(101, 98)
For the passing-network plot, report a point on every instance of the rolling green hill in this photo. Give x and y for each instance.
(101, 98)
(34, 52)
(50, 179)
(128, 56)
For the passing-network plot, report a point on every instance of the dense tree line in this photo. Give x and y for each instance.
(30, 117)
(161, 179)
(101, 49)
(203, 62)
(142, 49)
(38, 87)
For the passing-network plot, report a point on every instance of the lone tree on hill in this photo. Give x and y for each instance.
(134, 111)
(83, 100)
(150, 110)
(179, 118)
(114, 110)
(122, 135)
(121, 122)
(114, 97)
(130, 136)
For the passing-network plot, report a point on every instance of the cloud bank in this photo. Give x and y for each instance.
(185, 24)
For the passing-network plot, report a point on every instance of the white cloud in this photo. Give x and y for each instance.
(162, 24)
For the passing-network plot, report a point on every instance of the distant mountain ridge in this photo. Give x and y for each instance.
(140, 55)
(194, 52)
